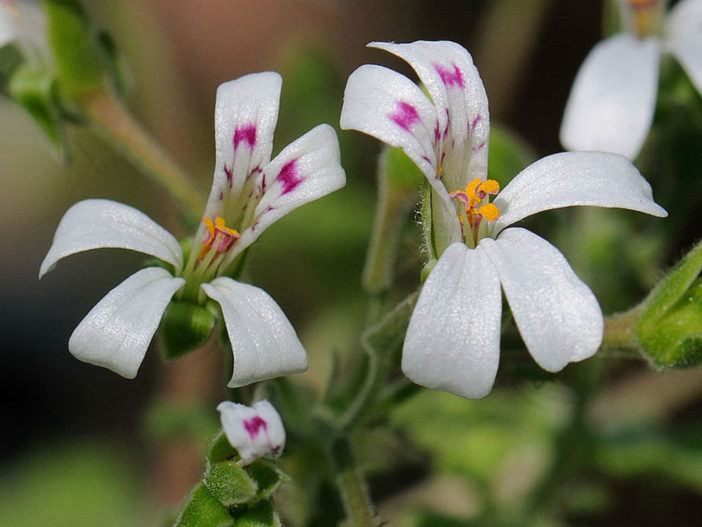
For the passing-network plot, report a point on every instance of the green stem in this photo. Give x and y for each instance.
(119, 128)
(351, 484)
(619, 332)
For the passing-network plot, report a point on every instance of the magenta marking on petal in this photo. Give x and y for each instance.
(221, 196)
(405, 115)
(475, 121)
(246, 133)
(228, 173)
(451, 78)
(289, 177)
(477, 148)
(437, 134)
(254, 425)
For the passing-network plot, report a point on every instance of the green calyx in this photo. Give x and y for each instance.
(185, 326)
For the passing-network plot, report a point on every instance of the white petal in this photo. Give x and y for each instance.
(684, 37)
(246, 113)
(117, 331)
(574, 178)
(390, 107)
(101, 223)
(264, 342)
(611, 104)
(453, 338)
(254, 431)
(8, 25)
(556, 313)
(452, 80)
(304, 171)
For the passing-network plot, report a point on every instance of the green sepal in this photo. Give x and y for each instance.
(220, 449)
(185, 326)
(35, 91)
(75, 49)
(669, 328)
(229, 483)
(267, 476)
(201, 509)
(262, 515)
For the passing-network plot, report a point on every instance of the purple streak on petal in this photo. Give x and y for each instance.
(254, 425)
(437, 134)
(246, 133)
(477, 148)
(451, 78)
(405, 115)
(221, 196)
(475, 121)
(289, 177)
(228, 172)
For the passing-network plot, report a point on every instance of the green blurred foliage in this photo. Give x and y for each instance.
(70, 485)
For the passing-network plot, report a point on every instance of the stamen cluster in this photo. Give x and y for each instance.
(473, 207)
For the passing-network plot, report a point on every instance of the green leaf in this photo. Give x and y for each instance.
(75, 50)
(262, 515)
(34, 90)
(229, 483)
(670, 327)
(185, 326)
(201, 509)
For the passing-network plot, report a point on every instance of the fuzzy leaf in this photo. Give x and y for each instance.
(203, 510)
(229, 483)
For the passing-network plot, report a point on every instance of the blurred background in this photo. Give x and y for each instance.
(73, 433)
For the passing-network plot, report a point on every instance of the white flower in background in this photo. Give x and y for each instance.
(248, 194)
(453, 338)
(255, 431)
(613, 98)
(24, 23)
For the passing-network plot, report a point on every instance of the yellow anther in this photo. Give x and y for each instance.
(222, 227)
(489, 186)
(226, 236)
(489, 211)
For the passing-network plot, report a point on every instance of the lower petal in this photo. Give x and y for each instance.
(118, 330)
(264, 342)
(558, 316)
(453, 338)
(611, 104)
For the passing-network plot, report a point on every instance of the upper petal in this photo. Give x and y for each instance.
(390, 107)
(611, 104)
(246, 113)
(556, 313)
(101, 223)
(117, 331)
(684, 37)
(453, 338)
(304, 171)
(264, 342)
(574, 178)
(453, 81)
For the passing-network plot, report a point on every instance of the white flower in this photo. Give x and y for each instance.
(613, 98)
(249, 193)
(24, 23)
(255, 431)
(453, 338)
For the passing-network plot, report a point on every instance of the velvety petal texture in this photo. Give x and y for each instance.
(453, 338)
(246, 113)
(574, 178)
(558, 316)
(255, 431)
(684, 37)
(304, 171)
(611, 104)
(264, 342)
(101, 223)
(117, 331)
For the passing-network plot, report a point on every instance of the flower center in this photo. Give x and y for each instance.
(219, 237)
(474, 206)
